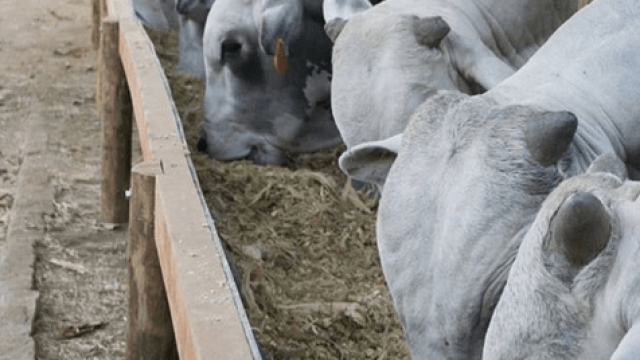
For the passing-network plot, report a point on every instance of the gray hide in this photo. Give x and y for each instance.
(192, 15)
(267, 81)
(574, 289)
(188, 17)
(472, 172)
(157, 14)
(390, 57)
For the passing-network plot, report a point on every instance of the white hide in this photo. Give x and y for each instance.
(466, 184)
(381, 74)
(549, 310)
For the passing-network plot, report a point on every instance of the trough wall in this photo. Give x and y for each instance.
(208, 318)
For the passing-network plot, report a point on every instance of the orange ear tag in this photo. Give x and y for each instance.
(280, 61)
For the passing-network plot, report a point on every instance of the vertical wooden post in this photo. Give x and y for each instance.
(103, 9)
(150, 332)
(96, 18)
(116, 112)
(99, 12)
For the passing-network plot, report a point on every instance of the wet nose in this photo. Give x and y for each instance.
(202, 144)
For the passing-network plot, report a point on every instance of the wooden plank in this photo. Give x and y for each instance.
(201, 296)
(208, 317)
(149, 327)
(155, 114)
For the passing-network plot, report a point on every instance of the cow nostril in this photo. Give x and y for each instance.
(229, 49)
(202, 144)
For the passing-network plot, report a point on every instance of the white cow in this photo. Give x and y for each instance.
(472, 172)
(390, 57)
(574, 289)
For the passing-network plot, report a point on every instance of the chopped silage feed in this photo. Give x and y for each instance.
(303, 241)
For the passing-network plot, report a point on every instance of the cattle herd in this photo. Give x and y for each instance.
(503, 136)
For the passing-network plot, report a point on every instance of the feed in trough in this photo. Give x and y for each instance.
(304, 245)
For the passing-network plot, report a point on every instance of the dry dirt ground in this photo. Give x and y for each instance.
(58, 265)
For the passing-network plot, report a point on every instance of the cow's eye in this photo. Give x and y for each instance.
(230, 49)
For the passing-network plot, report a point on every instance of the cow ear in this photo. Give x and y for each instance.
(370, 162)
(609, 163)
(280, 22)
(580, 229)
(343, 9)
(429, 31)
(549, 135)
(334, 27)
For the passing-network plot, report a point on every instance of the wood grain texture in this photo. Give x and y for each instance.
(116, 115)
(208, 318)
(150, 331)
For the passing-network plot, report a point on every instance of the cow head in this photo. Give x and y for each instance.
(385, 63)
(465, 185)
(572, 291)
(267, 81)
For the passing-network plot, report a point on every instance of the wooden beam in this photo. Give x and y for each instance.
(150, 331)
(208, 318)
(155, 114)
